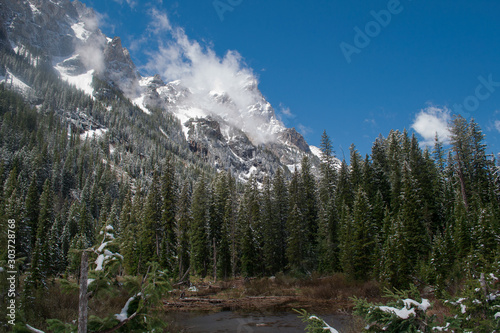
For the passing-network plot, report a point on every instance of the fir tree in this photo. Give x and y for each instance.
(184, 220)
(169, 196)
(280, 207)
(198, 234)
(309, 208)
(151, 229)
(32, 210)
(40, 264)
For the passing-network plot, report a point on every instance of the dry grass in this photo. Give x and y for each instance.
(338, 286)
(52, 303)
(331, 292)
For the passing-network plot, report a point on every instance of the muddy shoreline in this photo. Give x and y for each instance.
(322, 296)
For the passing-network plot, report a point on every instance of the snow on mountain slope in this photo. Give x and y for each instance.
(316, 151)
(72, 71)
(225, 118)
(15, 83)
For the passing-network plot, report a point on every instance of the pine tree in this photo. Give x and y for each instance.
(217, 216)
(151, 228)
(271, 230)
(418, 238)
(32, 210)
(395, 267)
(250, 228)
(309, 210)
(280, 201)
(460, 141)
(128, 245)
(395, 158)
(40, 264)
(198, 234)
(184, 220)
(328, 173)
(328, 229)
(295, 246)
(344, 192)
(363, 237)
(296, 227)
(380, 165)
(169, 196)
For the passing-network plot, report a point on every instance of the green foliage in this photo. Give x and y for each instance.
(406, 312)
(401, 214)
(314, 323)
(478, 307)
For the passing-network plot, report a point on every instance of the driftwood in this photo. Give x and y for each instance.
(182, 280)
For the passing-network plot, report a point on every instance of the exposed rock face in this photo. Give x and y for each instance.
(45, 25)
(291, 137)
(244, 137)
(119, 68)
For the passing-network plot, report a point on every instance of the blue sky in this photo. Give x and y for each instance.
(353, 68)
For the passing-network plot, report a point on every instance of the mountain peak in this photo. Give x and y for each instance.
(225, 118)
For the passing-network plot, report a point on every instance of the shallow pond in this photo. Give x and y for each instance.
(249, 322)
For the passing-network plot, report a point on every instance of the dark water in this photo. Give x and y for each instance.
(248, 322)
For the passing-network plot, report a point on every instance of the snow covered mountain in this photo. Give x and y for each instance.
(230, 126)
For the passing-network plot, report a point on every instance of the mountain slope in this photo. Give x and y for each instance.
(230, 128)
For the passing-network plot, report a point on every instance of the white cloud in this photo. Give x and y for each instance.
(198, 67)
(160, 22)
(304, 130)
(131, 3)
(497, 125)
(370, 121)
(285, 111)
(431, 121)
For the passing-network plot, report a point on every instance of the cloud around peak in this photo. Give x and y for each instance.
(211, 79)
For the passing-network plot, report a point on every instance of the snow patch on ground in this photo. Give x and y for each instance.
(189, 113)
(163, 132)
(82, 81)
(93, 133)
(34, 10)
(14, 82)
(139, 102)
(316, 151)
(146, 81)
(80, 31)
(293, 167)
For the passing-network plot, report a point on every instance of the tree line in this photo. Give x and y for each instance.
(400, 215)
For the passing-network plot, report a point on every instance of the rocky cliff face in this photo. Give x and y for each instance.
(244, 137)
